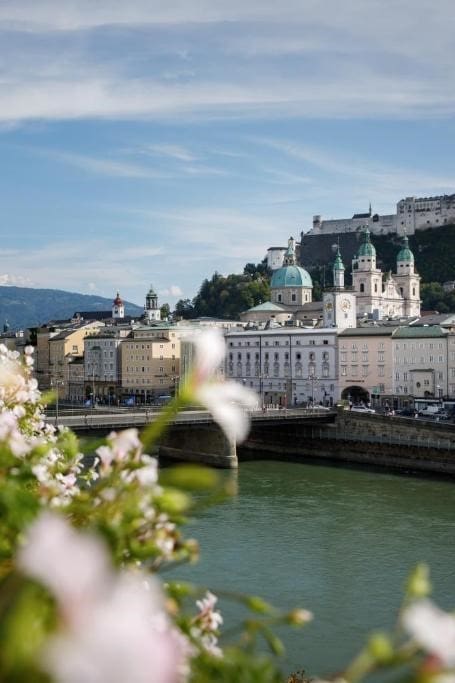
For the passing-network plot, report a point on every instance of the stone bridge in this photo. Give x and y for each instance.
(370, 439)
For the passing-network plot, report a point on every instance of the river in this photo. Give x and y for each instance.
(336, 540)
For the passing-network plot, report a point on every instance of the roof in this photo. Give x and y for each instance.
(93, 315)
(405, 254)
(367, 332)
(436, 319)
(291, 276)
(361, 215)
(338, 263)
(366, 248)
(419, 332)
(267, 306)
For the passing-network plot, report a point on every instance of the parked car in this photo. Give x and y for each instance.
(362, 409)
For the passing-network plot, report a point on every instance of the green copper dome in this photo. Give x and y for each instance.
(338, 263)
(405, 254)
(366, 248)
(291, 276)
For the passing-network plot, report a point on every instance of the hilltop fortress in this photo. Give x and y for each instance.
(412, 214)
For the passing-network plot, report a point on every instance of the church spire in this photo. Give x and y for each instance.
(338, 270)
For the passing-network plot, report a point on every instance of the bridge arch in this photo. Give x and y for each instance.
(355, 394)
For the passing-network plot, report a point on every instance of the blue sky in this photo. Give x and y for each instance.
(149, 142)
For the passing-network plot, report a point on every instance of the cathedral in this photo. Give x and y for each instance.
(373, 295)
(389, 296)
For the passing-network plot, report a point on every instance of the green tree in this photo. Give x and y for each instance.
(165, 311)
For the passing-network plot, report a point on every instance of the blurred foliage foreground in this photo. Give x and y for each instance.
(84, 550)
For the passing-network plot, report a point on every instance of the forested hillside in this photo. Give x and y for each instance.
(227, 296)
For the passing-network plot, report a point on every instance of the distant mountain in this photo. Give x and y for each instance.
(26, 307)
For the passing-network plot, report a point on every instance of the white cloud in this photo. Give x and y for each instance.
(173, 290)
(10, 280)
(173, 151)
(247, 59)
(104, 166)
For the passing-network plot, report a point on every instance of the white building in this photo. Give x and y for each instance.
(102, 362)
(285, 366)
(395, 296)
(420, 362)
(412, 214)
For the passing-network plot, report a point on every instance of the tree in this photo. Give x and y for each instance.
(165, 311)
(184, 309)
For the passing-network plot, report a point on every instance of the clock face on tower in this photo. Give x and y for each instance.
(345, 305)
(328, 306)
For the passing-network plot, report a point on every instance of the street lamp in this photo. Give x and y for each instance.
(312, 379)
(439, 390)
(56, 383)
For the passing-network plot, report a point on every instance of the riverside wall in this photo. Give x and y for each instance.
(372, 440)
(205, 444)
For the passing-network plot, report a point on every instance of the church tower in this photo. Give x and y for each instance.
(339, 304)
(118, 308)
(408, 280)
(367, 279)
(151, 310)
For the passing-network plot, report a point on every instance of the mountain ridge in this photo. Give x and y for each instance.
(24, 307)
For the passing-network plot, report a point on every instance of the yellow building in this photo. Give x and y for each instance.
(62, 348)
(150, 363)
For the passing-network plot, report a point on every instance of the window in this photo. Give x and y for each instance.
(343, 370)
(381, 370)
(293, 297)
(362, 287)
(325, 341)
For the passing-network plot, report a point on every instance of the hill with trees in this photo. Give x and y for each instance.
(23, 307)
(227, 296)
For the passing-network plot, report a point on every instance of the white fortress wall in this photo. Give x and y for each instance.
(421, 213)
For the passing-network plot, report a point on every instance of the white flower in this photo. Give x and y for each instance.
(125, 638)
(227, 401)
(433, 629)
(74, 567)
(114, 626)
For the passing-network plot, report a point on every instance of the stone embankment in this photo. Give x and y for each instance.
(375, 440)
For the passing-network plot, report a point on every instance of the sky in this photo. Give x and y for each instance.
(157, 142)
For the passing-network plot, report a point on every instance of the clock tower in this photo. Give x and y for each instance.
(339, 304)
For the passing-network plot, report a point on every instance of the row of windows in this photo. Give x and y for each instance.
(285, 342)
(399, 346)
(365, 371)
(414, 360)
(275, 370)
(439, 375)
(276, 356)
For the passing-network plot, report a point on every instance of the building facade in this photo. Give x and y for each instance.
(150, 363)
(420, 356)
(380, 296)
(291, 366)
(365, 364)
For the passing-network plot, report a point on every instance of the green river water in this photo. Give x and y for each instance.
(335, 540)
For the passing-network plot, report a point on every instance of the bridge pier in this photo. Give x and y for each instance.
(205, 444)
